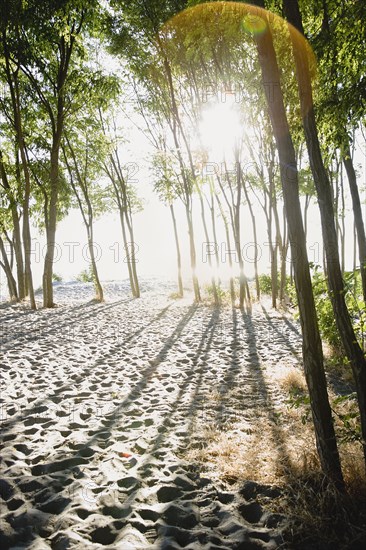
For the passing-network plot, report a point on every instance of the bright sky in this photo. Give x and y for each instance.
(154, 237)
(155, 240)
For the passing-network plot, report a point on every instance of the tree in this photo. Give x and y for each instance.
(82, 158)
(337, 32)
(134, 31)
(336, 285)
(47, 48)
(312, 349)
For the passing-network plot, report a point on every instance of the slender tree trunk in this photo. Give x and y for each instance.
(127, 249)
(27, 249)
(214, 232)
(255, 237)
(354, 252)
(86, 211)
(196, 288)
(242, 278)
(99, 295)
(274, 246)
(203, 217)
(343, 232)
(335, 282)
(17, 233)
(284, 250)
(51, 229)
(133, 252)
(12, 285)
(176, 123)
(357, 212)
(305, 216)
(228, 244)
(312, 347)
(27, 189)
(179, 261)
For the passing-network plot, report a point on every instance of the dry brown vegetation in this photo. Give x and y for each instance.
(277, 447)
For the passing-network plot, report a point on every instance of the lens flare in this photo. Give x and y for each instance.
(254, 24)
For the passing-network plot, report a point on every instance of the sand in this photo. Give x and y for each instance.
(99, 405)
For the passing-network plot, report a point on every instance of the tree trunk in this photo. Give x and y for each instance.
(179, 261)
(17, 233)
(274, 246)
(203, 217)
(51, 229)
(196, 288)
(312, 347)
(306, 209)
(133, 254)
(99, 295)
(127, 249)
(214, 232)
(18, 126)
(12, 286)
(254, 226)
(284, 250)
(242, 278)
(335, 282)
(357, 212)
(228, 244)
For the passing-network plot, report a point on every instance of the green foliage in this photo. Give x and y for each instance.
(265, 283)
(223, 295)
(346, 409)
(56, 278)
(301, 401)
(355, 305)
(86, 276)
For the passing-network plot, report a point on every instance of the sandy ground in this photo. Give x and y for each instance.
(100, 403)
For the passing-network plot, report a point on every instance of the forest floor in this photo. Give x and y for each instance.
(151, 423)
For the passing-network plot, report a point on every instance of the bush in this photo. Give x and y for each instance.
(56, 278)
(222, 294)
(265, 284)
(355, 305)
(86, 276)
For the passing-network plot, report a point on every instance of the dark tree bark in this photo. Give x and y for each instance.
(13, 83)
(335, 282)
(12, 285)
(16, 230)
(312, 347)
(357, 212)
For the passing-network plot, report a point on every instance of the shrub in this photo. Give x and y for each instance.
(355, 305)
(86, 276)
(56, 278)
(265, 284)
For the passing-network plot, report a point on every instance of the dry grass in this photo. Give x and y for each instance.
(277, 447)
(293, 382)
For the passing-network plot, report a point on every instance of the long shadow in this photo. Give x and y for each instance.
(256, 371)
(294, 328)
(37, 404)
(225, 412)
(171, 485)
(81, 456)
(51, 329)
(284, 341)
(145, 377)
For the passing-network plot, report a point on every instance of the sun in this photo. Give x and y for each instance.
(221, 127)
